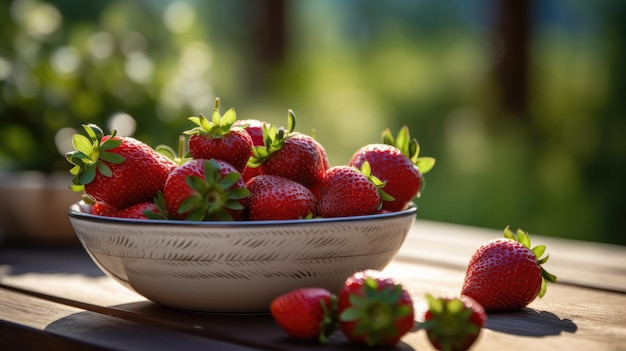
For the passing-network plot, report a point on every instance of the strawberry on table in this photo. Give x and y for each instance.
(274, 197)
(205, 190)
(396, 161)
(306, 313)
(290, 154)
(220, 139)
(506, 274)
(374, 309)
(453, 323)
(347, 191)
(119, 171)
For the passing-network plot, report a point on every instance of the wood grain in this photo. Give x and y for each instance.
(45, 302)
(29, 323)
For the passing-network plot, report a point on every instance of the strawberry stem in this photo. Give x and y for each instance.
(92, 154)
(213, 195)
(375, 311)
(523, 238)
(274, 139)
(179, 156)
(450, 325)
(409, 147)
(218, 126)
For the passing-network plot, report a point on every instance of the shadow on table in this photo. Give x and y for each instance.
(529, 322)
(260, 328)
(147, 324)
(145, 318)
(71, 260)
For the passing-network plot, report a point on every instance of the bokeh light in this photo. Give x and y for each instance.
(179, 17)
(123, 123)
(348, 70)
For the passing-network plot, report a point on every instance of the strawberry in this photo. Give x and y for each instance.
(306, 313)
(289, 154)
(254, 128)
(506, 274)
(316, 187)
(396, 162)
(219, 139)
(102, 209)
(453, 324)
(374, 309)
(120, 171)
(274, 197)
(205, 190)
(323, 154)
(137, 211)
(346, 191)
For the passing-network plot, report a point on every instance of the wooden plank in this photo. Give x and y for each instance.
(568, 315)
(596, 265)
(30, 323)
(579, 312)
(250, 330)
(17, 337)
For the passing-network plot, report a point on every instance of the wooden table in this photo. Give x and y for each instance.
(57, 299)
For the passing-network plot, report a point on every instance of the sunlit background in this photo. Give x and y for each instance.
(522, 104)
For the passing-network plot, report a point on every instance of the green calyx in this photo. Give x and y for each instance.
(159, 201)
(409, 148)
(179, 157)
(366, 170)
(91, 154)
(450, 324)
(218, 126)
(213, 195)
(523, 238)
(329, 322)
(273, 140)
(376, 312)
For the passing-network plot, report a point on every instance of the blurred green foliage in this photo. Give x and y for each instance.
(351, 69)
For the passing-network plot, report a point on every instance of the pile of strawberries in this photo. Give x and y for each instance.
(237, 170)
(243, 170)
(375, 310)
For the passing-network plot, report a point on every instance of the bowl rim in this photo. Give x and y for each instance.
(75, 212)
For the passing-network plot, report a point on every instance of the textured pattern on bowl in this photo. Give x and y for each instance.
(237, 266)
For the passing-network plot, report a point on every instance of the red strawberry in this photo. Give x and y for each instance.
(119, 171)
(290, 155)
(102, 209)
(453, 324)
(506, 274)
(274, 197)
(205, 190)
(396, 162)
(219, 139)
(254, 128)
(298, 159)
(137, 211)
(374, 309)
(346, 191)
(323, 154)
(316, 188)
(306, 313)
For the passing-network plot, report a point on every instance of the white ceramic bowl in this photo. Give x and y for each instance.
(237, 266)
